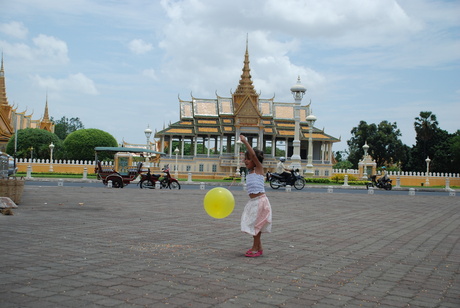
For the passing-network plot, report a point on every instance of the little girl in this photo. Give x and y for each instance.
(257, 214)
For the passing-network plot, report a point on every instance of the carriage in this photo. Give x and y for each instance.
(123, 172)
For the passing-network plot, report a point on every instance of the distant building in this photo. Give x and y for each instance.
(203, 140)
(12, 120)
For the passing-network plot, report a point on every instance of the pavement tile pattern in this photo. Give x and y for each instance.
(102, 247)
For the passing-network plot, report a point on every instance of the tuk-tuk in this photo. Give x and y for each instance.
(123, 171)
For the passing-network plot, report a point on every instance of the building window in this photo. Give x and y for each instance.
(188, 168)
(214, 168)
(326, 173)
(316, 172)
(201, 167)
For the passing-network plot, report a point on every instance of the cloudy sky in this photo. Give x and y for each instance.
(121, 65)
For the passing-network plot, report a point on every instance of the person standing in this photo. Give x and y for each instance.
(257, 214)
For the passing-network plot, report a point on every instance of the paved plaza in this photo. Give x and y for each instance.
(102, 247)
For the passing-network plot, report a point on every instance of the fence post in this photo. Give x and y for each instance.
(345, 180)
(370, 191)
(29, 172)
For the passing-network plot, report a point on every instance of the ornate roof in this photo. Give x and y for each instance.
(219, 116)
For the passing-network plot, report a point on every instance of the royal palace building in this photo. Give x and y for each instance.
(12, 120)
(206, 138)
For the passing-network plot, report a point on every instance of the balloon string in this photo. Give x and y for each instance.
(231, 184)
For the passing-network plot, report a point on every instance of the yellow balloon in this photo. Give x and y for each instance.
(219, 202)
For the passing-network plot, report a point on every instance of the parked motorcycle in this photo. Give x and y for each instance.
(295, 179)
(382, 182)
(168, 181)
(148, 180)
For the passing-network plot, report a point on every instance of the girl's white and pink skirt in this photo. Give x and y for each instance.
(257, 216)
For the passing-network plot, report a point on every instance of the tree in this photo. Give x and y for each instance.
(35, 142)
(432, 142)
(80, 144)
(360, 134)
(425, 126)
(455, 150)
(344, 164)
(340, 155)
(385, 147)
(65, 126)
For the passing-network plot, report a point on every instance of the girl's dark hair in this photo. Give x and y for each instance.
(259, 155)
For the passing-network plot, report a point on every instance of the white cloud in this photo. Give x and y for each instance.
(46, 50)
(14, 29)
(75, 83)
(51, 48)
(21, 50)
(139, 47)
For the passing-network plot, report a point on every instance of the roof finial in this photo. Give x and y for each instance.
(2, 71)
(247, 41)
(46, 116)
(245, 86)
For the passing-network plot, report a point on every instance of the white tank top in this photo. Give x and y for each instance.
(255, 183)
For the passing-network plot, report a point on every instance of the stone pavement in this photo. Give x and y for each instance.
(101, 247)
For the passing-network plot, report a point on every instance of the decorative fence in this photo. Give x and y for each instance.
(62, 166)
(411, 178)
(405, 178)
(401, 173)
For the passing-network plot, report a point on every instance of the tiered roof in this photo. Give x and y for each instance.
(219, 116)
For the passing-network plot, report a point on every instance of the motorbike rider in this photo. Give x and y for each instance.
(281, 169)
(384, 178)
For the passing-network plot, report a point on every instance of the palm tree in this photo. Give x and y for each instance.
(425, 127)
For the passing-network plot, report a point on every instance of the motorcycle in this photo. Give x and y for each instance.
(168, 181)
(382, 182)
(295, 179)
(148, 180)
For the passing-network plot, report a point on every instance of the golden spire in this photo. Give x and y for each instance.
(3, 99)
(246, 86)
(46, 117)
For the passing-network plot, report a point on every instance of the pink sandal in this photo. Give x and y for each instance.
(253, 254)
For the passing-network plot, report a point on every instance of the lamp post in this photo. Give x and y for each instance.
(427, 180)
(311, 121)
(51, 146)
(148, 133)
(365, 148)
(238, 158)
(298, 91)
(176, 151)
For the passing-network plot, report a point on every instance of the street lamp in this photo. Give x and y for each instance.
(298, 91)
(365, 148)
(311, 121)
(427, 181)
(148, 133)
(51, 146)
(176, 151)
(237, 150)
